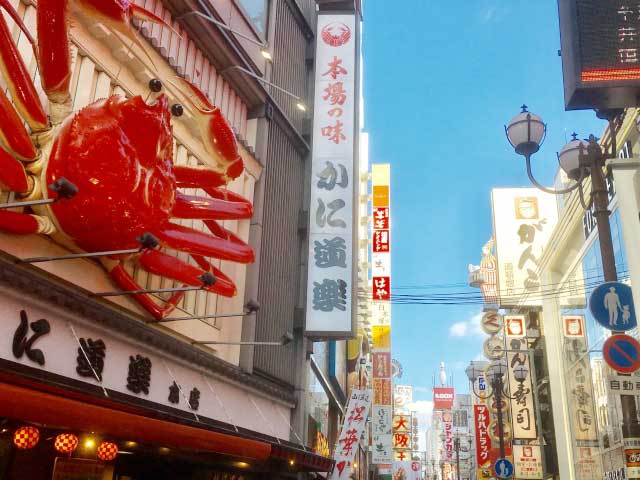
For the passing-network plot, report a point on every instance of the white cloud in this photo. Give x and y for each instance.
(423, 389)
(467, 328)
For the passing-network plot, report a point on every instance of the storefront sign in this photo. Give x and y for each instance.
(515, 326)
(49, 338)
(380, 314)
(447, 427)
(588, 467)
(382, 391)
(78, 469)
(528, 461)
(523, 220)
(402, 396)
(483, 442)
(381, 419)
(407, 470)
(402, 439)
(355, 420)
(330, 287)
(623, 385)
(493, 348)
(522, 407)
(581, 400)
(573, 326)
(381, 449)
(443, 398)
(381, 335)
(492, 322)
(381, 364)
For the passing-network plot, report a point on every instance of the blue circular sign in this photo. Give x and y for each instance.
(503, 468)
(611, 304)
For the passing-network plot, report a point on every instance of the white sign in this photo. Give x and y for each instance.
(515, 326)
(523, 415)
(402, 396)
(330, 280)
(352, 428)
(573, 326)
(381, 418)
(493, 348)
(491, 322)
(528, 461)
(623, 385)
(523, 220)
(407, 470)
(381, 449)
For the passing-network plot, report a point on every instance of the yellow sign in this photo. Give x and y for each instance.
(381, 337)
(381, 196)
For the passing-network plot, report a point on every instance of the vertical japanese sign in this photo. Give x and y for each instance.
(330, 287)
(522, 407)
(384, 436)
(352, 429)
(447, 427)
(523, 220)
(483, 442)
(402, 444)
(578, 380)
(402, 397)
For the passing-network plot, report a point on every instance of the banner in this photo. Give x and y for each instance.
(331, 222)
(352, 429)
(381, 419)
(522, 407)
(483, 442)
(402, 396)
(523, 220)
(447, 427)
(402, 438)
(443, 398)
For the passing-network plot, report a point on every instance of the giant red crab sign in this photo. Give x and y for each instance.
(111, 163)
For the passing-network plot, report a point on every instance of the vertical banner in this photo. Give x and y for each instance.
(483, 442)
(352, 430)
(523, 220)
(384, 436)
(331, 224)
(402, 439)
(447, 426)
(522, 407)
(402, 397)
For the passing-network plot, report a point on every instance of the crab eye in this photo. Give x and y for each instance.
(177, 110)
(155, 85)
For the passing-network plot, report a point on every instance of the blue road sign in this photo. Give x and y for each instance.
(611, 304)
(503, 468)
(622, 353)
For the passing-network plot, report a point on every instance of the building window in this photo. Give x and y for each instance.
(257, 10)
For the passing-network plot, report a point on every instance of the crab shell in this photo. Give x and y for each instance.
(119, 153)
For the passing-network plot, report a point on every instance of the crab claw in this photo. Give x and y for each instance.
(217, 135)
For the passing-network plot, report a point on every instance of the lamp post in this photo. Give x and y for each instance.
(456, 445)
(470, 461)
(579, 159)
(495, 375)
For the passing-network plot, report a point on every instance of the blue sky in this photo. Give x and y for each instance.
(441, 79)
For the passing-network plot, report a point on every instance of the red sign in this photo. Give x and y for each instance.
(382, 288)
(443, 398)
(381, 364)
(483, 442)
(380, 241)
(381, 218)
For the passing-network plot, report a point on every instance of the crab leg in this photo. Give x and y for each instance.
(54, 57)
(126, 282)
(217, 135)
(198, 243)
(190, 206)
(167, 266)
(12, 67)
(18, 223)
(13, 135)
(12, 175)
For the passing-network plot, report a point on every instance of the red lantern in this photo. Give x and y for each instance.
(26, 437)
(66, 443)
(107, 451)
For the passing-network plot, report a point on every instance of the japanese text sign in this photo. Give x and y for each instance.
(355, 420)
(330, 287)
(527, 460)
(447, 427)
(523, 220)
(443, 398)
(483, 442)
(623, 385)
(522, 407)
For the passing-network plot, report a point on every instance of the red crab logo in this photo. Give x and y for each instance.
(336, 34)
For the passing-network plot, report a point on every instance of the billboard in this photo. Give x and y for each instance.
(443, 398)
(402, 397)
(331, 221)
(600, 53)
(523, 220)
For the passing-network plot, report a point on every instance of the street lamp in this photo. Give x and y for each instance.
(456, 446)
(578, 159)
(495, 374)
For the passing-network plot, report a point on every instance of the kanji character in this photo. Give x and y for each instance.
(330, 253)
(335, 112)
(139, 378)
(94, 351)
(174, 393)
(335, 68)
(401, 440)
(348, 441)
(194, 399)
(356, 415)
(401, 424)
(20, 343)
(521, 394)
(330, 295)
(322, 218)
(335, 93)
(329, 176)
(334, 132)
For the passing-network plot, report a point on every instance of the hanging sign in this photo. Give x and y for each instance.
(331, 220)
(491, 322)
(355, 420)
(622, 353)
(573, 326)
(522, 408)
(483, 442)
(515, 326)
(493, 348)
(443, 398)
(527, 460)
(611, 304)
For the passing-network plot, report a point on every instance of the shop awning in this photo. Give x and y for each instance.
(43, 408)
